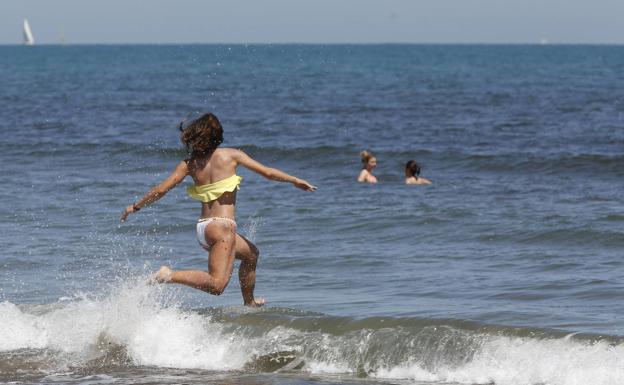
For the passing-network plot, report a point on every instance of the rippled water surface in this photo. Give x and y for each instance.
(508, 269)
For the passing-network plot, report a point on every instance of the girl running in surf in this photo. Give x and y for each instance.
(213, 170)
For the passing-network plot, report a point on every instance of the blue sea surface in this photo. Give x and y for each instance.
(508, 269)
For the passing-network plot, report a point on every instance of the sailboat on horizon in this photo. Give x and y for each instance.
(28, 36)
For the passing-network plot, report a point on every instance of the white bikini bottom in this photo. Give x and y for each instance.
(201, 229)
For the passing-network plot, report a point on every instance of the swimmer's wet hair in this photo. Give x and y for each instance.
(366, 156)
(412, 168)
(203, 135)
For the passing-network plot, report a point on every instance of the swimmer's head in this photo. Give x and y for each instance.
(368, 160)
(412, 169)
(202, 135)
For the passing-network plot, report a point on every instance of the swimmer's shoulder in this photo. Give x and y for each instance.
(363, 175)
(417, 181)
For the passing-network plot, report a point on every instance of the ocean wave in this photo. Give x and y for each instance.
(139, 325)
(511, 162)
(605, 238)
(549, 163)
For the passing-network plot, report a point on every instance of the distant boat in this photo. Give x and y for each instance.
(28, 36)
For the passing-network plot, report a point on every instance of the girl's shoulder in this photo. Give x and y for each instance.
(225, 152)
(231, 151)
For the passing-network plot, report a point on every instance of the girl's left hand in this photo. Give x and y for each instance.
(304, 185)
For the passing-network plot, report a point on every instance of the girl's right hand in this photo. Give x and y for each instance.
(129, 210)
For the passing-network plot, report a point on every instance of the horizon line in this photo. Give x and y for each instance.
(325, 43)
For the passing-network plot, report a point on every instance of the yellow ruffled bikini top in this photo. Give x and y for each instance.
(212, 191)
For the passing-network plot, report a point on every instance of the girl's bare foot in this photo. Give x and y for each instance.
(256, 302)
(163, 275)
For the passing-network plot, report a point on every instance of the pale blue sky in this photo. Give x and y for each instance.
(315, 21)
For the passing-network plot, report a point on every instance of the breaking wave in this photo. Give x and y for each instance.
(140, 325)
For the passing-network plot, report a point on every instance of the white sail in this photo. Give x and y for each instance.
(28, 36)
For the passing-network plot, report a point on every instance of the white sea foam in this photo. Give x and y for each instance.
(526, 361)
(153, 331)
(319, 367)
(134, 317)
(19, 330)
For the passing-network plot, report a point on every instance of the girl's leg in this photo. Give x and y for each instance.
(247, 253)
(220, 262)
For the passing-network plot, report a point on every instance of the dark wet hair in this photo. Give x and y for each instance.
(203, 135)
(412, 168)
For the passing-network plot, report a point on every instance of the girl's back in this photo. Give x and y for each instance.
(213, 167)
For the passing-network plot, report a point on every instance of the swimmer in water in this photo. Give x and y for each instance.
(213, 171)
(412, 174)
(369, 162)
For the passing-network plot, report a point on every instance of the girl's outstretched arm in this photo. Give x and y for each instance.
(270, 173)
(157, 192)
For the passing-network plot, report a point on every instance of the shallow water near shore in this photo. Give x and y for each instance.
(508, 269)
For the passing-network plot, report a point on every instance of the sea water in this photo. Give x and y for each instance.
(508, 269)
